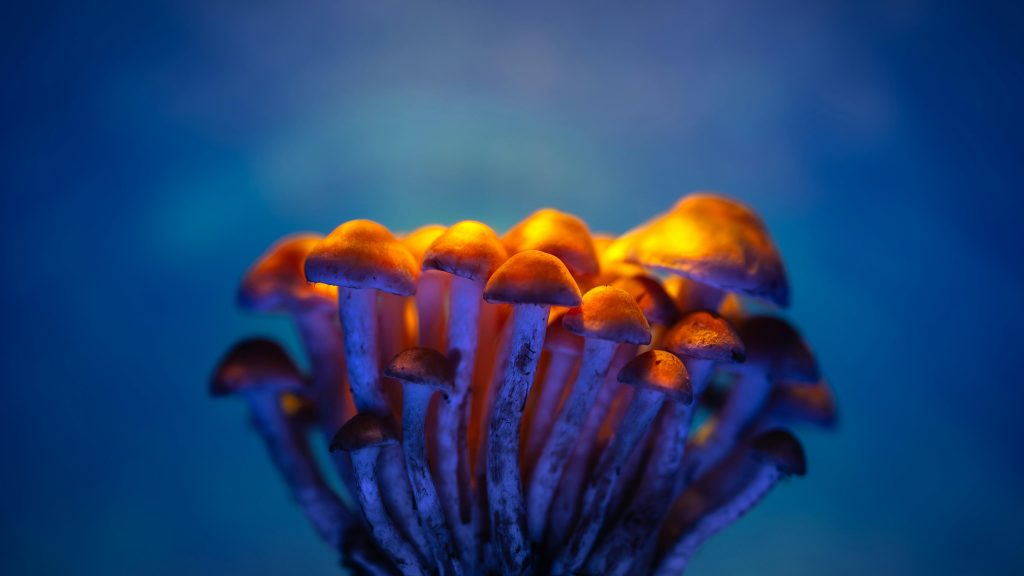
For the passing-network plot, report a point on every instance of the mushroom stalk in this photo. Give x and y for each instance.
(677, 557)
(414, 416)
(504, 486)
(384, 530)
(597, 356)
(559, 370)
(749, 394)
(466, 296)
(291, 454)
(357, 309)
(635, 424)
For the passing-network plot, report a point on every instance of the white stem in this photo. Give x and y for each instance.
(414, 416)
(552, 385)
(504, 484)
(452, 423)
(384, 530)
(634, 426)
(678, 555)
(748, 395)
(291, 454)
(357, 309)
(597, 356)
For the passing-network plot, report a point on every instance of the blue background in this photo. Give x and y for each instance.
(152, 149)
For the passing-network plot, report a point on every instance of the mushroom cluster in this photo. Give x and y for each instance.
(543, 402)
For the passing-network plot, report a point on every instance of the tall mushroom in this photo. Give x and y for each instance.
(775, 352)
(606, 317)
(531, 282)
(714, 241)
(423, 372)
(656, 375)
(470, 252)
(363, 258)
(261, 371)
(364, 437)
(700, 340)
(771, 456)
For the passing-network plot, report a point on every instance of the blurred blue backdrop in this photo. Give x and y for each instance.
(152, 149)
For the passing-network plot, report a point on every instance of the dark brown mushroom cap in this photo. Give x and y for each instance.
(417, 241)
(254, 363)
(707, 336)
(276, 281)
(560, 339)
(714, 240)
(363, 254)
(608, 313)
(814, 404)
(659, 370)
(424, 366)
(533, 277)
(657, 305)
(557, 233)
(468, 249)
(775, 346)
(364, 430)
(781, 449)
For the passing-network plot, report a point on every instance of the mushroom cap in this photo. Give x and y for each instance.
(424, 366)
(558, 233)
(707, 336)
(533, 277)
(560, 339)
(814, 404)
(364, 430)
(363, 254)
(710, 239)
(773, 345)
(276, 282)
(659, 370)
(782, 449)
(657, 305)
(608, 313)
(417, 241)
(254, 363)
(469, 249)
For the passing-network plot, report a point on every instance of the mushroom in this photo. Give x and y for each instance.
(606, 317)
(717, 242)
(364, 437)
(794, 402)
(700, 340)
(363, 258)
(775, 352)
(773, 455)
(470, 252)
(262, 373)
(423, 372)
(559, 234)
(656, 375)
(532, 282)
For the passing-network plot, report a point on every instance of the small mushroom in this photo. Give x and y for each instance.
(531, 282)
(423, 372)
(795, 402)
(656, 376)
(470, 252)
(261, 371)
(364, 437)
(700, 340)
(559, 234)
(606, 317)
(775, 352)
(363, 258)
(715, 241)
(773, 455)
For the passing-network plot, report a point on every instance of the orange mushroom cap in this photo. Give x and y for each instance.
(557, 233)
(533, 277)
(658, 370)
(608, 313)
(705, 335)
(276, 281)
(468, 249)
(363, 254)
